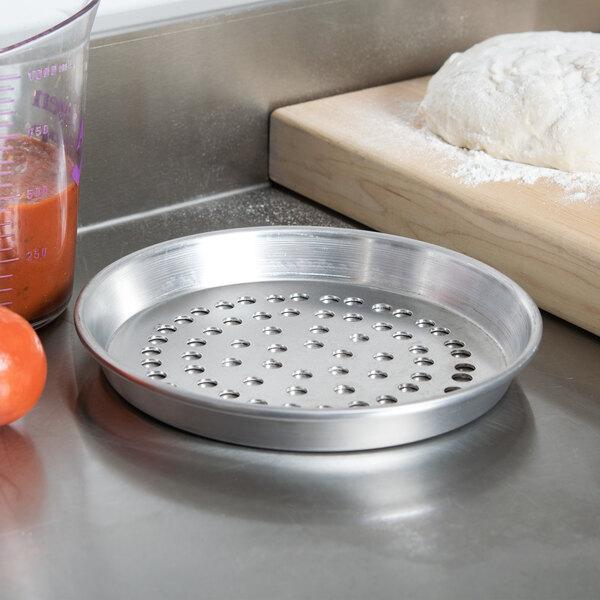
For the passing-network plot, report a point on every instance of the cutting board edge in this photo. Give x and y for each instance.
(366, 209)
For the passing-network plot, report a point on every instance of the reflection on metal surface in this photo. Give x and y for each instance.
(384, 485)
(22, 482)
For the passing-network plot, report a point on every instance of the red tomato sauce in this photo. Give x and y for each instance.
(38, 227)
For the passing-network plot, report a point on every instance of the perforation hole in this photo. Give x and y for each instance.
(408, 387)
(261, 315)
(232, 321)
(183, 319)
(224, 305)
(353, 301)
(156, 375)
(418, 349)
(338, 370)
(352, 317)
(313, 344)
(271, 330)
(359, 337)
(151, 351)
(424, 323)
(231, 361)
(420, 376)
(277, 348)
(439, 331)
(207, 383)
(452, 344)
(319, 329)
(423, 361)
(296, 390)
(239, 343)
(344, 389)
(151, 363)
(358, 404)
(461, 353)
(464, 377)
(271, 363)
(386, 399)
(259, 401)
(212, 331)
(381, 307)
(402, 335)
(302, 374)
(377, 374)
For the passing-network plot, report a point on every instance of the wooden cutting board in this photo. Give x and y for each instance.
(366, 155)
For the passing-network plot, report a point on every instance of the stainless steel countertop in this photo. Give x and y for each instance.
(100, 501)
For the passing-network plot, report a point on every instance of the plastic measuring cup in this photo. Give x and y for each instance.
(42, 93)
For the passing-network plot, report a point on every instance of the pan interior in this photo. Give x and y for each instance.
(306, 344)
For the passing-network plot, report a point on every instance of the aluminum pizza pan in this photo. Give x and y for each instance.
(307, 338)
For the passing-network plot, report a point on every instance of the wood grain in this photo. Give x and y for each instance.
(348, 153)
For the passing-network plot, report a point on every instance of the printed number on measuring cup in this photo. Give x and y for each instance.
(50, 70)
(35, 254)
(36, 192)
(39, 130)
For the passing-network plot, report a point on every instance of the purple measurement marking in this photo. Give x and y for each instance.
(7, 112)
(6, 290)
(7, 260)
(6, 124)
(9, 77)
(6, 172)
(9, 136)
(9, 197)
(6, 101)
(6, 276)
(5, 303)
(4, 236)
(7, 162)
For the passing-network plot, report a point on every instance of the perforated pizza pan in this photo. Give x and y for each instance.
(307, 339)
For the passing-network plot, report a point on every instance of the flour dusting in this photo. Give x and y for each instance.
(475, 167)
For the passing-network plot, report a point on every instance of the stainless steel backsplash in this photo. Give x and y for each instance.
(180, 111)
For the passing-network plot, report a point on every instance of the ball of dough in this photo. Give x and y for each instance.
(528, 97)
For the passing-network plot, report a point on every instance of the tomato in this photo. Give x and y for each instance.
(23, 366)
